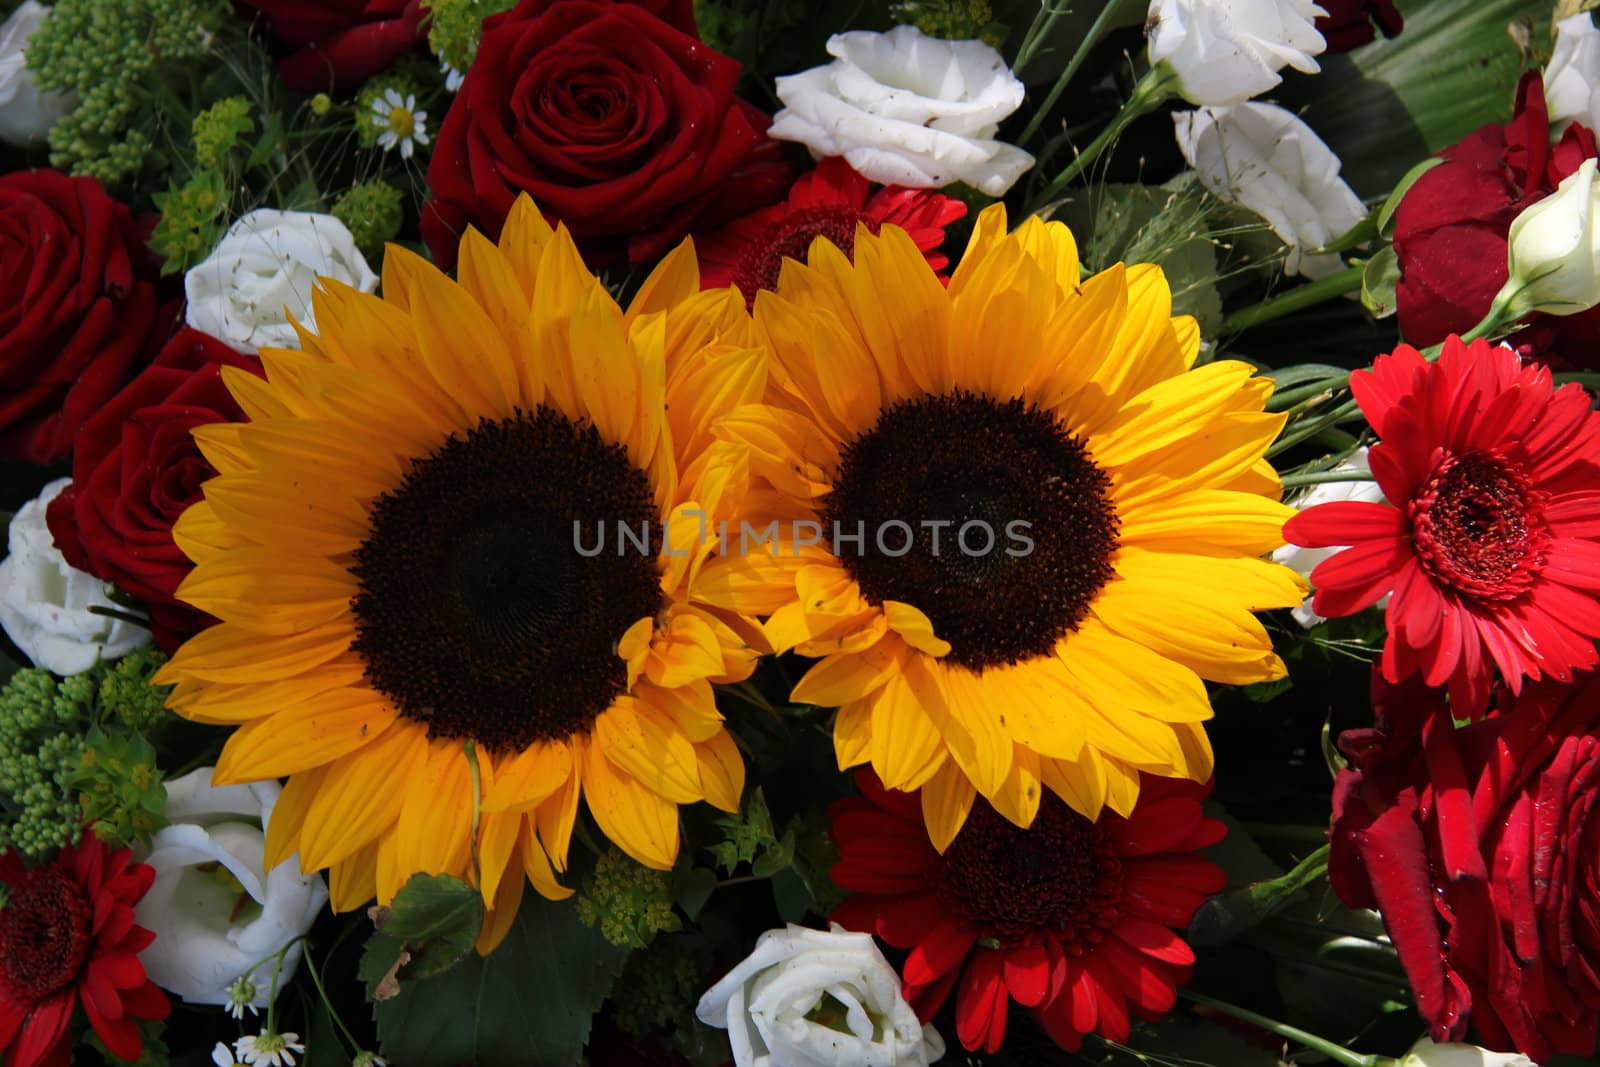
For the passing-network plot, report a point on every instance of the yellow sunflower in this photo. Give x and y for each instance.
(436, 550)
(1012, 520)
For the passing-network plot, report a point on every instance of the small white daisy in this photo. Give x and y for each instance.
(222, 1057)
(452, 77)
(242, 995)
(268, 1049)
(400, 122)
(368, 1059)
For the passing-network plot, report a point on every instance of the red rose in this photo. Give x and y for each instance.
(335, 45)
(616, 123)
(1348, 23)
(77, 302)
(1481, 847)
(1451, 227)
(136, 469)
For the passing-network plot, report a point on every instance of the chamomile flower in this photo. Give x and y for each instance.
(452, 77)
(241, 995)
(399, 122)
(222, 1056)
(268, 1049)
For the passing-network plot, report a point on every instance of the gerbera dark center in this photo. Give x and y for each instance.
(1478, 526)
(790, 238)
(44, 933)
(1014, 885)
(990, 517)
(478, 615)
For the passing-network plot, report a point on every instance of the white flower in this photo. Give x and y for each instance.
(26, 114)
(262, 272)
(1269, 161)
(1426, 1054)
(268, 1049)
(1226, 51)
(1554, 257)
(222, 1056)
(242, 995)
(1572, 79)
(905, 109)
(400, 122)
(208, 863)
(44, 604)
(1303, 560)
(452, 77)
(805, 998)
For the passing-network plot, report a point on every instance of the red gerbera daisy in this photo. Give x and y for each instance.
(67, 930)
(1490, 540)
(828, 202)
(1070, 918)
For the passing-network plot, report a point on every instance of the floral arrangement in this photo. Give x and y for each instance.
(699, 532)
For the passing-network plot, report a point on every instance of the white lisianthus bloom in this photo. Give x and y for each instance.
(26, 112)
(1266, 159)
(1303, 560)
(1227, 51)
(44, 603)
(1572, 78)
(262, 272)
(906, 109)
(1554, 255)
(214, 908)
(808, 998)
(1427, 1054)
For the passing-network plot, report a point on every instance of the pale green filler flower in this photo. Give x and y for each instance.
(631, 902)
(218, 128)
(373, 212)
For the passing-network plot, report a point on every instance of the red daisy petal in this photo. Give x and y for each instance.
(122, 969)
(981, 1003)
(121, 1035)
(1155, 940)
(146, 1002)
(939, 950)
(1027, 974)
(45, 1030)
(1357, 578)
(12, 1012)
(926, 1000)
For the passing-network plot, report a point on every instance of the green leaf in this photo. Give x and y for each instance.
(691, 888)
(436, 918)
(747, 834)
(531, 1002)
(1391, 103)
(1378, 283)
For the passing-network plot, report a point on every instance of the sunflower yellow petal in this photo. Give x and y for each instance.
(646, 745)
(721, 770)
(946, 800)
(634, 817)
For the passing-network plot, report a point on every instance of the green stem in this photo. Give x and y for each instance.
(1303, 296)
(1101, 25)
(1290, 481)
(1338, 1053)
(1296, 398)
(1148, 94)
(1313, 427)
(328, 1003)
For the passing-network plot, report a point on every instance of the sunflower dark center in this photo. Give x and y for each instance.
(44, 933)
(989, 516)
(478, 615)
(790, 238)
(1478, 525)
(1057, 877)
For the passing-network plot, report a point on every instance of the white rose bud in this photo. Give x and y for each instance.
(26, 113)
(1266, 159)
(805, 998)
(263, 271)
(214, 908)
(1554, 257)
(1304, 560)
(1226, 51)
(1426, 1054)
(1572, 79)
(906, 109)
(44, 603)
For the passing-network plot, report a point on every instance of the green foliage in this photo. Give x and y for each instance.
(746, 833)
(531, 1002)
(956, 20)
(658, 988)
(454, 27)
(191, 221)
(374, 212)
(430, 925)
(115, 54)
(73, 749)
(628, 901)
(218, 129)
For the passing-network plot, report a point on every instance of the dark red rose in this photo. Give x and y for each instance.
(1348, 24)
(1451, 227)
(616, 123)
(335, 45)
(136, 469)
(1481, 847)
(77, 304)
